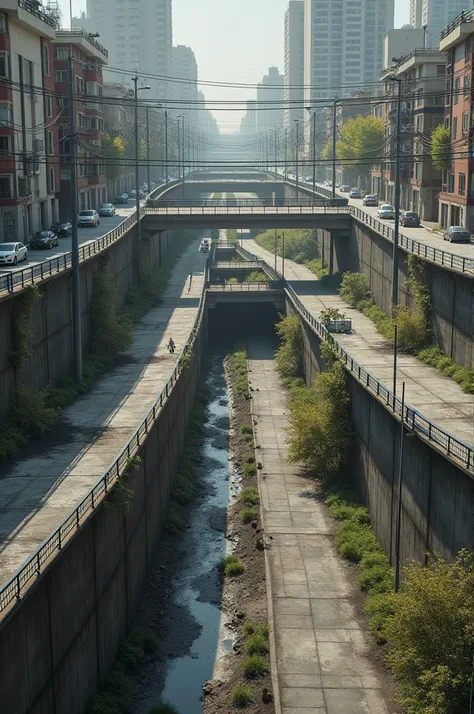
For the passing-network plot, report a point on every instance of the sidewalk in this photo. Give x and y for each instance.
(38, 491)
(322, 664)
(438, 398)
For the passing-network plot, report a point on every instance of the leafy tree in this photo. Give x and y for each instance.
(361, 143)
(289, 355)
(114, 148)
(441, 148)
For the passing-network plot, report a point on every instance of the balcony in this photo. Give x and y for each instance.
(457, 31)
(32, 16)
(83, 39)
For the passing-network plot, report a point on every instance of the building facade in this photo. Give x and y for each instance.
(139, 37)
(456, 200)
(248, 125)
(294, 62)
(89, 57)
(185, 93)
(270, 101)
(397, 43)
(29, 171)
(437, 14)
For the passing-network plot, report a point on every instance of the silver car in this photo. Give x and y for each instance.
(88, 218)
(12, 253)
(386, 211)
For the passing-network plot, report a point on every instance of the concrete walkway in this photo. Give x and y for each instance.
(322, 666)
(36, 493)
(436, 397)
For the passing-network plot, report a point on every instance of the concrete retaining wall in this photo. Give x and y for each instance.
(51, 342)
(452, 294)
(59, 642)
(437, 496)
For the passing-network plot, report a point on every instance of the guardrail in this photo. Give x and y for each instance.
(241, 287)
(307, 210)
(240, 264)
(12, 590)
(465, 16)
(249, 202)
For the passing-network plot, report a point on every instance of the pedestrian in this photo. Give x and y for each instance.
(190, 281)
(171, 346)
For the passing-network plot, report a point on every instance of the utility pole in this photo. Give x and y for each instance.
(76, 288)
(276, 156)
(397, 198)
(314, 154)
(398, 529)
(334, 149)
(178, 168)
(286, 170)
(166, 145)
(297, 157)
(148, 178)
(184, 168)
(137, 151)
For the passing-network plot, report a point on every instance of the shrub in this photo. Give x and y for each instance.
(242, 695)
(300, 245)
(316, 267)
(250, 470)
(256, 644)
(289, 354)
(436, 358)
(232, 566)
(249, 496)
(331, 313)
(31, 413)
(355, 288)
(250, 459)
(430, 635)
(379, 607)
(248, 514)
(251, 628)
(255, 667)
(354, 540)
(231, 281)
(377, 577)
(164, 708)
(246, 429)
(413, 331)
(257, 276)
(173, 521)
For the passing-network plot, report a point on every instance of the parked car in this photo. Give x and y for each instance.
(62, 228)
(410, 218)
(386, 211)
(355, 192)
(308, 179)
(88, 218)
(457, 234)
(370, 200)
(43, 239)
(120, 199)
(345, 188)
(12, 253)
(132, 194)
(107, 209)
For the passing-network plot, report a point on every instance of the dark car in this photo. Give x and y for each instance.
(62, 228)
(120, 198)
(410, 219)
(457, 234)
(43, 239)
(106, 209)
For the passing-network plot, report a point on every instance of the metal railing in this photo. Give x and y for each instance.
(465, 16)
(34, 8)
(238, 265)
(231, 210)
(242, 287)
(86, 35)
(12, 589)
(248, 202)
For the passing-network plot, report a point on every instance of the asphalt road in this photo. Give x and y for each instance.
(86, 235)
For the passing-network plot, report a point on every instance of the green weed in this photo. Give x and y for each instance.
(255, 667)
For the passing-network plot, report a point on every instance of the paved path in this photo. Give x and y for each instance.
(322, 665)
(435, 396)
(36, 493)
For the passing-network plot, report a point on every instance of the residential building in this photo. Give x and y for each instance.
(270, 101)
(89, 57)
(138, 35)
(416, 12)
(294, 62)
(437, 14)
(29, 174)
(456, 200)
(185, 93)
(343, 48)
(422, 73)
(398, 43)
(248, 125)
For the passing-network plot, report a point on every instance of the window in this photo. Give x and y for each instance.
(457, 89)
(48, 105)
(450, 183)
(454, 128)
(462, 184)
(5, 143)
(3, 24)
(467, 84)
(52, 180)
(465, 121)
(45, 50)
(61, 54)
(5, 186)
(61, 75)
(5, 114)
(448, 93)
(79, 85)
(419, 98)
(50, 145)
(419, 123)
(440, 70)
(4, 64)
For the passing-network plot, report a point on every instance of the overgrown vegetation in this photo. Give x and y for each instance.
(249, 496)
(242, 695)
(232, 566)
(255, 667)
(436, 358)
(300, 245)
(257, 276)
(289, 354)
(116, 695)
(441, 148)
(238, 358)
(121, 496)
(232, 235)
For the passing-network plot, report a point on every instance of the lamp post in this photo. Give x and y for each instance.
(297, 148)
(314, 149)
(276, 156)
(178, 125)
(166, 145)
(286, 170)
(137, 166)
(334, 113)
(76, 288)
(393, 78)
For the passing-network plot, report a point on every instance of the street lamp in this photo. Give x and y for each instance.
(149, 106)
(137, 167)
(393, 78)
(181, 116)
(297, 147)
(314, 149)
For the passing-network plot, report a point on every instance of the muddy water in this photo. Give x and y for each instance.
(192, 634)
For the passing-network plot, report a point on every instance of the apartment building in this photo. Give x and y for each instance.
(185, 93)
(89, 57)
(422, 72)
(435, 15)
(270, 97)
(29, 173)
(456, 200)
(248, 125)
(294, 62)
(138, 35)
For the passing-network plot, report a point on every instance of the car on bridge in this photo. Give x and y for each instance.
(62, 228)
(386, 211)
(355, 192)
(43, 240)
(410, 219)
(121, 198)
(12, 253)
(345, 188)
(457, 234)
(370, 200)
(88, 218)
(107, 209)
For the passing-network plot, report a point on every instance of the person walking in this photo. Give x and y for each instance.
(171, 346)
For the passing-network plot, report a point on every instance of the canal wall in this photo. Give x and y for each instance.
(59, 642)
(50, 341)
(437, 495)
(452, 294)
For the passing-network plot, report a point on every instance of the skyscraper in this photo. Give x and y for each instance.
(435, 15)
(270, 96)
(294, 61)
(416, 7)
(138, 35)
(184, 68)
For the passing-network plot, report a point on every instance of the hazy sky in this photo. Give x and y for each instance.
(233, 42)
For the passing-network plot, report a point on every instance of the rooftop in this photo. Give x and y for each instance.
(33, 16)
(78, 36)
(458, 30)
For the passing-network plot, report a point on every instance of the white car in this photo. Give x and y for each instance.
(12, 253)
(88, 218)
(386, 211)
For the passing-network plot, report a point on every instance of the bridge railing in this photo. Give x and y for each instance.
(13, 588)
(247, 202)
(243, 287)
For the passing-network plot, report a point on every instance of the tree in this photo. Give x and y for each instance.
(441, 148)
(114, 148)
(361, 143)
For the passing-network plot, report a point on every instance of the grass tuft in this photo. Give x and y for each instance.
(232, 566)
(250, 496)
(242, 695)
(248, 514)
(255, 667)
(256, 644)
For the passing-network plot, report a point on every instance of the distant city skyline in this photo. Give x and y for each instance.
(247, 38)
